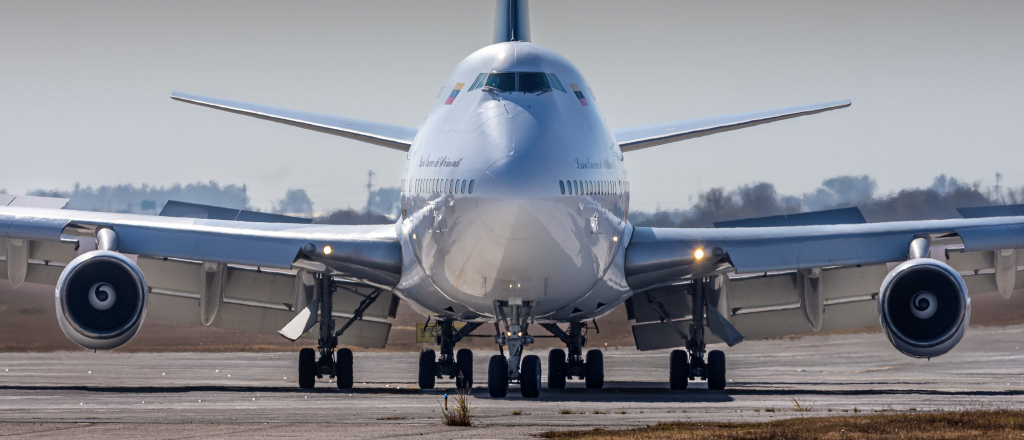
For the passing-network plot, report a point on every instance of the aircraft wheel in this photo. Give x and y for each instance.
(343, 369)
(595, 369)
(307, 368)
(464, 361)
(497, 376)
(529, 378)
(428, 369)
(556, 369)
(678, 370)
(716, 370)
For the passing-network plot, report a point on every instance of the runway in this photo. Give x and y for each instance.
(186, 395)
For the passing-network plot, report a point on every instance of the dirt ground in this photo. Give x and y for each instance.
(28, 322)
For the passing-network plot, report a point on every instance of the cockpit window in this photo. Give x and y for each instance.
(555, 82)
(504, 82)
(533, 82)
(478, 83)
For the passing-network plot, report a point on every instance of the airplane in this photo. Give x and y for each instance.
(514, 216)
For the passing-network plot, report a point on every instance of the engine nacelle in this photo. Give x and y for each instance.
(101, 300)
(924, 307)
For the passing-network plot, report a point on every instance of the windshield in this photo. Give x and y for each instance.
(505, 82)
(532, 82)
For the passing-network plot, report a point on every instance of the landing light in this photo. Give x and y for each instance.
(698, 254)
(520, 334)
(509, 333)
(328, 249)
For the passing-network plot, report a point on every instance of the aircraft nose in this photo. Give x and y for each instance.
(513, 197)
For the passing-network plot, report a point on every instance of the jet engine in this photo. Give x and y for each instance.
(101, 300)
(924, 307)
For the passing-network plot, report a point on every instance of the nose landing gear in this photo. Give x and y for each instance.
(516, 369)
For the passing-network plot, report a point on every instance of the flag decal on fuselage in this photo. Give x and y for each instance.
(455, 92)
(579, 94)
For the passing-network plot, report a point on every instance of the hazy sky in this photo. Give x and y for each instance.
(936, 86)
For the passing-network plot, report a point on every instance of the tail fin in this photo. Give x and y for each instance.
(512, 21)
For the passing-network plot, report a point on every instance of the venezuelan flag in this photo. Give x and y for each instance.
(579, 94)
(455, 92)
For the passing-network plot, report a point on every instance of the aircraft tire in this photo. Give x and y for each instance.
(307, 368)
(556, 369)
(678, 370)
(464, 362)
(529, 378)
(428, 369)
(497, 376)
(343, 369)
(595, 369)
(716, 370)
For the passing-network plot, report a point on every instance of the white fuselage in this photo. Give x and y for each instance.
(510, 195)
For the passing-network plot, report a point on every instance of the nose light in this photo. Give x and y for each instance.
(698, 254)
(328, 249)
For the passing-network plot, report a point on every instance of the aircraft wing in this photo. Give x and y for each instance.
(636, 138)
(385, 135)
(764, 271)
(266, 267)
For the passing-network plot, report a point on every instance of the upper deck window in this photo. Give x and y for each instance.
(503, 82)
(533, 82)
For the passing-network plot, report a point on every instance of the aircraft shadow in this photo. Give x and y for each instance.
(612, 392)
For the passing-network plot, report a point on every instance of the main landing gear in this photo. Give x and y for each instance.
(689, 364)
(458, 366)
(334, 365)
(560, 368)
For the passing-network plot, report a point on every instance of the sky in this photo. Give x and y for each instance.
(84, 86)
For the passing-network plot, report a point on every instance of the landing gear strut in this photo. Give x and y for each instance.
(689, 364)
(516, 368)
(329, 364)
(458, 366)
(561, 367)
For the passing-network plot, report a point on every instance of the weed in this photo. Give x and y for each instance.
(620, 412)
(459, 414)
(392, 418)
(799, 407)
(565, 410)
(600, 412)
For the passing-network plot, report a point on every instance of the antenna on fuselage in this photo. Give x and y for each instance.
(511, 21)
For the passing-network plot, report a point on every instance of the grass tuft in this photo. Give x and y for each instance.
(460, 413)
(799, 407)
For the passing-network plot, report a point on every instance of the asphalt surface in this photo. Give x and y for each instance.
(240, 395)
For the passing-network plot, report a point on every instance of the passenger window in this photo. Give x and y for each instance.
(561, 186)
(478, 83)
(471, 183)
(504, 82)
(555, 82)
(463, 186)
(451, 186)
(457, 181)
(533, 82)
(576, 187)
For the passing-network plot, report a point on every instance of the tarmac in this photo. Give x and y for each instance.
(244, 395)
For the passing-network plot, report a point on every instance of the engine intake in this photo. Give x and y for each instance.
(924, 307)
(101, 300)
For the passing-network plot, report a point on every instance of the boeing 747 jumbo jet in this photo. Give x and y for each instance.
(514, 220)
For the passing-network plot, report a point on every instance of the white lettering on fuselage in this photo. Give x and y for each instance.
(586, 164)
(441, 162)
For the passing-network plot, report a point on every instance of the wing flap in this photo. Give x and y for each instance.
(385, 135)
(632, 139)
